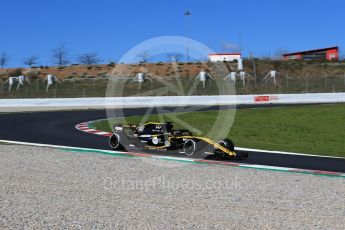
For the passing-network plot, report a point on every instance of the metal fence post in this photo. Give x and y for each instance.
(93, 87)
(287, 81)
(280, 89)
(306, 83)
(254, 70)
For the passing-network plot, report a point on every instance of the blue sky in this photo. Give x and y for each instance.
(111, 27)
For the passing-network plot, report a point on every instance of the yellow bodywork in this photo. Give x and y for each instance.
(211, 142)
(207, 140)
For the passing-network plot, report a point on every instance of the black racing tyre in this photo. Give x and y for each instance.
(190, 148)
(227, 143)
(193, 149)
(114, 142)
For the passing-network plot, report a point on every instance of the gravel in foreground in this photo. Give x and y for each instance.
(47, 188)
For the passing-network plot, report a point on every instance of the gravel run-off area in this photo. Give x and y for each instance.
(53, 189)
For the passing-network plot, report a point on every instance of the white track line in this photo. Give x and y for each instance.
(285, 153)
(53, 146)
(281, 169)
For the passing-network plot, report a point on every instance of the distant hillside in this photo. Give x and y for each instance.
(291, 68)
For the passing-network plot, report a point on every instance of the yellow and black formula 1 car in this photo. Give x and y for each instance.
(162, 136)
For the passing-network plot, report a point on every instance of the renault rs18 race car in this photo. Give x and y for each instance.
(162, 136)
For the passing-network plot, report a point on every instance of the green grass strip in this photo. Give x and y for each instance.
(314, 129)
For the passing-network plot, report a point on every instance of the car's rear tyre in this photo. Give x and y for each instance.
(114, 142)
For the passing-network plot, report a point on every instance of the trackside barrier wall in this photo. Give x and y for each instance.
(100, 103)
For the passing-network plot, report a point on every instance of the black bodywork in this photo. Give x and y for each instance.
(162, 136)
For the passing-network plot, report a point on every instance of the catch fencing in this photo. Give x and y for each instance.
(97, 87)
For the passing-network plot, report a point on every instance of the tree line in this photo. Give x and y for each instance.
(60, 56)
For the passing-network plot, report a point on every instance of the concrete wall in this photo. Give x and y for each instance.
(13, 105)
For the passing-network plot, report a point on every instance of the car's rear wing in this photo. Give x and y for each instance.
(120, 127)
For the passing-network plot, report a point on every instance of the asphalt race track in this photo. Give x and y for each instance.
(58, 128)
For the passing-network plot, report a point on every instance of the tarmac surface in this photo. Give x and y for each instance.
(58, 128)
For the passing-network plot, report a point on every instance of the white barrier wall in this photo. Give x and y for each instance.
(7, 105)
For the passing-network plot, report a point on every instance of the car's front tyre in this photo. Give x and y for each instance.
(192, 148)
(189, 148)
(227, 143)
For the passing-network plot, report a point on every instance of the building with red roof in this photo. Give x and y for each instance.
(331, 53)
